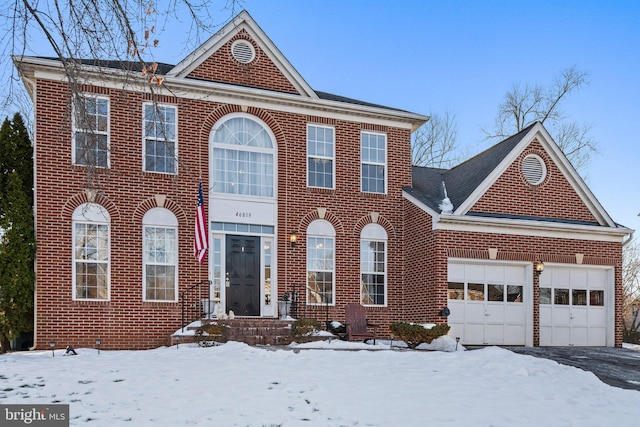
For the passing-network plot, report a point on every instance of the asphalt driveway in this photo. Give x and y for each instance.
(618, 367)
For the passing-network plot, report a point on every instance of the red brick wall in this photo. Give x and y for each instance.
(262, 73)
(125, 321)
(554, 198)
(428, 256)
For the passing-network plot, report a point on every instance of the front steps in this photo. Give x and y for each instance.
(252, 331)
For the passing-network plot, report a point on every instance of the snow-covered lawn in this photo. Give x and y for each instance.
(314, 385)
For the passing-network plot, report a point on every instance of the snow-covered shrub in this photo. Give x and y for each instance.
(303, 329)
(210, 334)
(414, 334)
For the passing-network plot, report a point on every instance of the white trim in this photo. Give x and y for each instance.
(538, 131)
(231, 94)
(321, 229)
(375, 233)
(332, 157)
(521, 227)
(157, 139)
(160, 218)
(527, 288)
(243, 21)
(84, 96)
(94, 214)
(609, 288)
(272, 151)
(385, 164)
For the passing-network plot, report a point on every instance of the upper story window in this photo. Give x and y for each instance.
(321, 261)
(160, 255)
(373, 155)
(91, 252)
(243, 158)
(320, 156)
(91, 131)
(373, 265)
(160, 130)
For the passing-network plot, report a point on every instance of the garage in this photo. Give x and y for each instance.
(575, 304)
(490, 302)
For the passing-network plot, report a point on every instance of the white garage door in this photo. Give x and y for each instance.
(574, 305)
(488, 303)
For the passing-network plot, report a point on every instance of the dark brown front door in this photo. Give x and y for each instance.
(243, 268)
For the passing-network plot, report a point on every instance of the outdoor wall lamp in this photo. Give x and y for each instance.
(539, 267)
(52, 344)
(293, 239)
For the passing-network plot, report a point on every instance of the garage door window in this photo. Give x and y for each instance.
(494, 292)
(456, 290)
(578, 297)
(475, 292)
(545, 295)
(596, 298)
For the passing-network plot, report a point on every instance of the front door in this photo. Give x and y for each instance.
(243, 272)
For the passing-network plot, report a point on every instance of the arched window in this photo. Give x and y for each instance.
(160, 255)
(91, 257)
(243, 153)
(321, 261)
(373, 265)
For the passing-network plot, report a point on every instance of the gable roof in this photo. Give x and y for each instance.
(466, 183)
(243, 22)
(462, 180)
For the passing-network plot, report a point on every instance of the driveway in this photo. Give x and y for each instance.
(619, 367)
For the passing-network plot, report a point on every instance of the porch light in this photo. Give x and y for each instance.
(539, 267)
(293, 239)
(52, 344)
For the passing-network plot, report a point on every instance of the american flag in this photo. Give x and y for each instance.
(201, 240)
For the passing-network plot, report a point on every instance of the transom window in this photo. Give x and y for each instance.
(320, 156)
(91, 252)
(320, 263)
(91, 131)
(160, 255)
(243, 154)
(373, 154)
(160, 122)
(373, 265)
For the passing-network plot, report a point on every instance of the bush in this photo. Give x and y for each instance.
(210, 334)
(414, 334)
(303, 329)
(336, 328)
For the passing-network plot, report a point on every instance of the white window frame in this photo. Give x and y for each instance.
(76, 128)
(161, 218)
(241, 148)
(374, 163)
(159, 139)
(321, 229)
(373, 233)
(90, 214)
(331, 158)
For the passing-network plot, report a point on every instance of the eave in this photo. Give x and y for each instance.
(32, 68)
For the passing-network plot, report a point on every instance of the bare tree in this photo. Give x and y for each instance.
(526, 104)
(99, 33)
(631, 290)
(434, 143)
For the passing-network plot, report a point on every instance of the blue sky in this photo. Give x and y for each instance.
(461, 57)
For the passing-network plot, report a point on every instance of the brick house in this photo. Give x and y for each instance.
(306, 193)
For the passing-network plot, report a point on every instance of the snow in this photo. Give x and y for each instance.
(314, 384)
